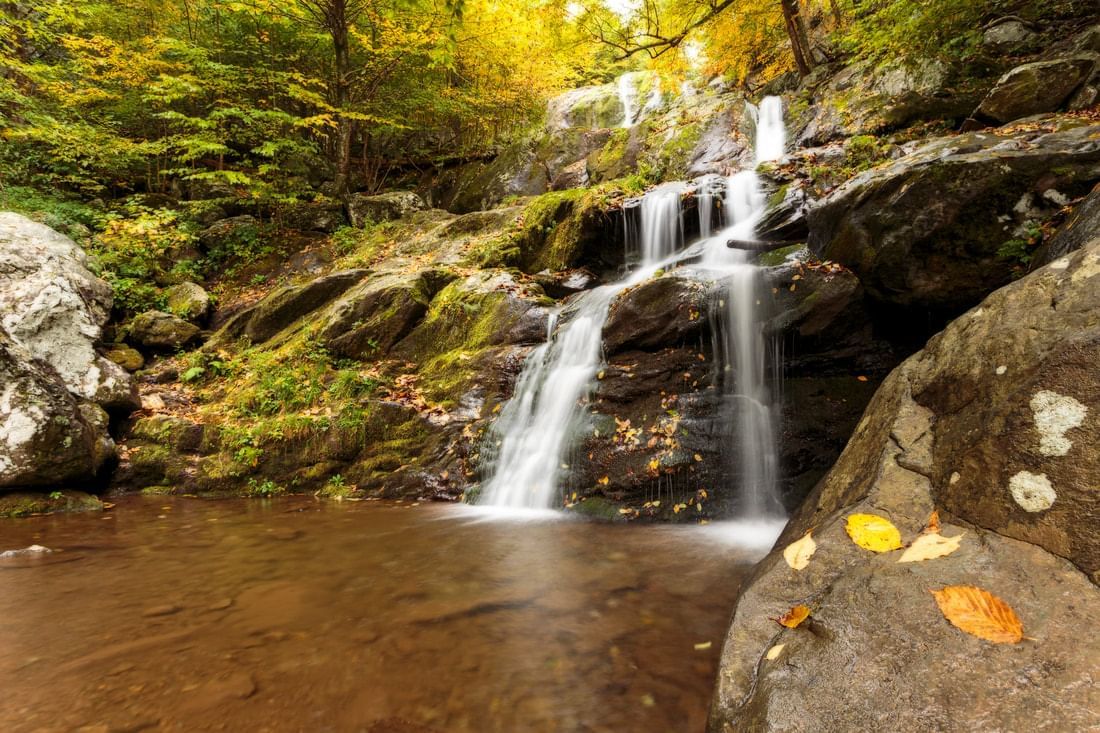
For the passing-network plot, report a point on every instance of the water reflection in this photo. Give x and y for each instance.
(299, 615)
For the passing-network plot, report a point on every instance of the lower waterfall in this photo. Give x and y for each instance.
(527, 448)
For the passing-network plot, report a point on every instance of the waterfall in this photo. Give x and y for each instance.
(743, 355)
(527, 452)
(529, 442)
(628, 98)
(771, 133)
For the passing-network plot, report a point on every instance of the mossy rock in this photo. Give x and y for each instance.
(24, 504)
(598, 507)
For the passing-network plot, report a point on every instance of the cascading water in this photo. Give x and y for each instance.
(628, 98)
(528, 446)
(771, 133)
(740, 348)
(529, 443)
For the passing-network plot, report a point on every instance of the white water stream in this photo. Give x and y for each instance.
(528, 447)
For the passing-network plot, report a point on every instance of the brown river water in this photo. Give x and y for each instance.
(299, 615)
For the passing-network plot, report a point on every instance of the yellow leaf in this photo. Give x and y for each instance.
(604, 481)
(799, 552)
(698, 457)
(872, 532)
(930, 546)
(979, 613)
(774, 652)
(702, 646)
(792, 618)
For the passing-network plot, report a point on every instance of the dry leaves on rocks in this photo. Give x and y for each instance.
(969, 608)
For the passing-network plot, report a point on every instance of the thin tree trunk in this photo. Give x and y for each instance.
(345, 130)
(796, 31)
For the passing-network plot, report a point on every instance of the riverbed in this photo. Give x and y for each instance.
(294, 614)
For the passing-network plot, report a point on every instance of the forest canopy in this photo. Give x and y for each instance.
(106, 98)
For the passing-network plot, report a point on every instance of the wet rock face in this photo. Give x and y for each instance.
(1035, 88)
(925, 231)
(55, 308)
(994, 424)
(662, 312)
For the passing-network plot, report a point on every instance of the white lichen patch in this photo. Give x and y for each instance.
(1001, 370)
(1060, 264)
(1033, 492)
(1054, 415)
(1089, 266)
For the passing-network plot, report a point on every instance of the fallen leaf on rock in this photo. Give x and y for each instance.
(933, 523)
(792, 618)
(930, 546)
(872, 532)
(774, 652)
(979, 613)
(702, 646)
(798, 553)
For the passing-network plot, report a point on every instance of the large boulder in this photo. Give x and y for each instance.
(161, 331)
(670, 310)
(48, 436)
(283, 307)
(1035, 88)
(929, 230)
(862, 98)
(367, 209)
(994, 424)
(189, 301)
(378, 312)
(55, 308)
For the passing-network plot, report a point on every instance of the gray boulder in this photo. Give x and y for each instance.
(162, 331)
(1035, 88)
(364, 209)
(994, 424)
(189, 301)
(47, 435)
(1009, 35)
(55, 308)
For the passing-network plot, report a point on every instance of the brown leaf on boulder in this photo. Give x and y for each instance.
(794, 617)
(979, 613)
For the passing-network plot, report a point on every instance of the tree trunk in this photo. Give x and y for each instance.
(345, 127)
(796, 31)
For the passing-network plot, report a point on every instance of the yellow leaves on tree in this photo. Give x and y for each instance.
(794, 617)
(979, 613)
(874, 533)
(798, 553)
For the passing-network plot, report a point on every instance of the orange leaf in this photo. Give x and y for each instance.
(792, 618)
(979, 613)
(933, 523)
